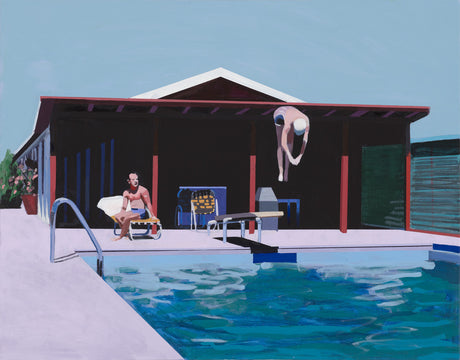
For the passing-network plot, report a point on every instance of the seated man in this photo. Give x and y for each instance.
(139, 198)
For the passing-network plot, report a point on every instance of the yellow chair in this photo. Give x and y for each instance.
(203, 202)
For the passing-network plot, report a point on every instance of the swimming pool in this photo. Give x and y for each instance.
(348, 305)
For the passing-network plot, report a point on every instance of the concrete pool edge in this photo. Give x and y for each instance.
(283, 250)
(191, 242)
(63, 310)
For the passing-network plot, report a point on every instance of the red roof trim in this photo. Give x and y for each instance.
(48, 102)
(220, 103)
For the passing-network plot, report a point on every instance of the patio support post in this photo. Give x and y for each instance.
(52, 180)
(408, 175)
(344, 179)
(252, 175)
(155, 175)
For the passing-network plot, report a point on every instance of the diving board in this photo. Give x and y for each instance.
(241, 218)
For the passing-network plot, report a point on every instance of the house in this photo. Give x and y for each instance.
(217, 129)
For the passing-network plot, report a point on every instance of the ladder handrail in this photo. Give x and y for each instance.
(56, 204)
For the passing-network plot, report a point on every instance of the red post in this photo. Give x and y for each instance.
(252, 174)
(344, 178)
(155, 189)
(408, 159)
(408, 169)
(52, 180)
(252, 190)
(344, 194)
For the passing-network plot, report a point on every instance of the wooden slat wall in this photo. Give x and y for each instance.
(435, 193)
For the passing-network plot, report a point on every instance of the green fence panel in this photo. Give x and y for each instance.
(383, 186)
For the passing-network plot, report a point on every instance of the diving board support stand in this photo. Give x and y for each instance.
(241, 218)
(243, 227)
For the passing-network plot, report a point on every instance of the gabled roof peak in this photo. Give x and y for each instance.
(211, 75)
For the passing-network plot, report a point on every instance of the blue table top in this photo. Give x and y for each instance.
(202, 187)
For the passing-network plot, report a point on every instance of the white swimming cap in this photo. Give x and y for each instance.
(300, 125)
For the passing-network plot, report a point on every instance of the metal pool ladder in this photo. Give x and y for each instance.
(56, 204)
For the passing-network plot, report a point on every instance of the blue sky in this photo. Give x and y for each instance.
(388, 52)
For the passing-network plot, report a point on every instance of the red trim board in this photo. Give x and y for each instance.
(344, 194)
(252, 189)
(52, 180)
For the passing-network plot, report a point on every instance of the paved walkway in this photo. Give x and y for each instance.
(66, 311)
(63, 310)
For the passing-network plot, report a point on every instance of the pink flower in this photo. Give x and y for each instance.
(3, 186)
(15, 191)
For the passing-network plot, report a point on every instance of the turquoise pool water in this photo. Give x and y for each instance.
(349, 305)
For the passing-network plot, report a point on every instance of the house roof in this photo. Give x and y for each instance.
(172, 90)
(215, 107)
(215, 92)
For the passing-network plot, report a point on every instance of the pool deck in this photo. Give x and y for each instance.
(66, 311)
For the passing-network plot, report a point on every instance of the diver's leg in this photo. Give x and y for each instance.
(290, 145)
(279, 152)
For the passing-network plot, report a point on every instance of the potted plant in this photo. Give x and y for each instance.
(18, 183)
(27, 181)
(10, 190)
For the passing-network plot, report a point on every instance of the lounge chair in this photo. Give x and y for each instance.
(241, 218)
(203, 202)
(112, 205)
